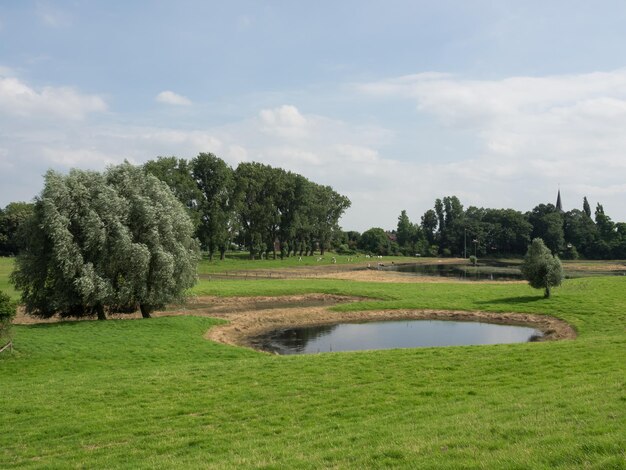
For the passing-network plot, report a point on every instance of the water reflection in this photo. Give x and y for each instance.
(488, 270)
(493, 271)
(392, 334)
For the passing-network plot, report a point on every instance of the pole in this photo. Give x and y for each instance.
(465, 243)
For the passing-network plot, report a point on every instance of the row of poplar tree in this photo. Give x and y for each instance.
(449, 230)
(264, 209)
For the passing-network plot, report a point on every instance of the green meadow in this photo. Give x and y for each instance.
(155, 394)
(6, 266)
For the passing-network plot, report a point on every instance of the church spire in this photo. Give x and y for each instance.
(559, 206)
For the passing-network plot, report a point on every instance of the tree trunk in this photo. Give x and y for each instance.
(211, 255)
(222, 255)
(100, 312)
(547, 293)
(145, 310)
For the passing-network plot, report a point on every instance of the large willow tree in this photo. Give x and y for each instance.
(105, 242)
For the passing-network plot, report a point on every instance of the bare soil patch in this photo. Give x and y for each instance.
(251, 317)
(398, 277)
(595, 266)
(246, 326)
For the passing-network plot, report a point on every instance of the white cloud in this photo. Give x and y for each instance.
(18, 99)
(169, 97)
(78, 157)
(533, 132)
(237, 153)
(285, 121)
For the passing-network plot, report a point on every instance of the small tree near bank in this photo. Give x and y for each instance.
(101, 243)
(541, 268)
(7, 312)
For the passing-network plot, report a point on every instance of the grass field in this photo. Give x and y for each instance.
(239, 261)
(6, 266)
(154, 393)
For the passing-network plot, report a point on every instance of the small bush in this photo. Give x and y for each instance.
(473, 260)
(344, 249)
(570, 253)
(541, 268)
(7, 312)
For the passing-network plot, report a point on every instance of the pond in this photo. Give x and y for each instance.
(489, 270)
(485, 271)
(392, 334)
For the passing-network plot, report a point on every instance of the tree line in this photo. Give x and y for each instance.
(96, 243)
(255, 206)
(268, 210)
(264, 209)
(450, 230)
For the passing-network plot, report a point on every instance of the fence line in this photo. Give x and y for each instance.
(245, 275)
(9, 345)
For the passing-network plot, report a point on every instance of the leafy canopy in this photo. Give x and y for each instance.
(541, 268)
(105, 242)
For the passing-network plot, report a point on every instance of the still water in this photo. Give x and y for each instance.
(392, 334)
(486, 271)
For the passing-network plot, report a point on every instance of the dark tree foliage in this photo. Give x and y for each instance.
(547, 224)
(580, 232)
(429, 225)
(260, 207)
(176, 173)
(215, 182)
(255, 196)
(328, 207)
(375, 241)
(410, 237)
(8, 309)
(12, 220)
(586, 207)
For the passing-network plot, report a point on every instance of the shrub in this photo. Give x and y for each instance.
(570, 252)
(541, 268)
(433, 251)
(7, 312)
(344, 249)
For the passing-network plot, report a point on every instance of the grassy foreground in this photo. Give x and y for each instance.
(154, 393)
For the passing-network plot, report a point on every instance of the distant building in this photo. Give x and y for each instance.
(559, 205)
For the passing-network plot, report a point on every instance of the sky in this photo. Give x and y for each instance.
(392, 103)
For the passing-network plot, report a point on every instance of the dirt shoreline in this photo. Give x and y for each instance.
(251, 317)
(245, 327)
